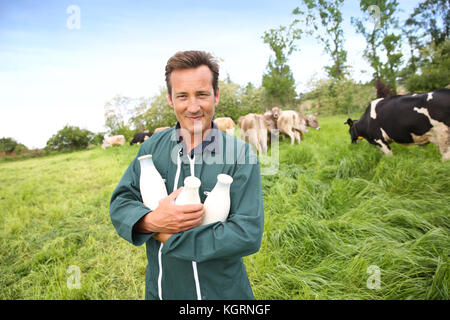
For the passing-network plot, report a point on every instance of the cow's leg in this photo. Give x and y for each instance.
(384, 146)
(291, 134)
(253, 140)
(297, 136)
(441, 138)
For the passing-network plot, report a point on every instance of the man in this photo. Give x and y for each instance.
(187, 260)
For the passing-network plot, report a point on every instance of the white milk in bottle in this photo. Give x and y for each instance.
(151, 183)
(189, 194)
(217, 204)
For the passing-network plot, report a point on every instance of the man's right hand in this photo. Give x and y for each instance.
(170, 218)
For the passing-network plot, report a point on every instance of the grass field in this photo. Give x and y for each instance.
(332, 211)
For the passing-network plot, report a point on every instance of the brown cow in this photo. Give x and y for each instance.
(226, 124)
(113, 141)
(254, 131)
(290, 123)
(311, 120)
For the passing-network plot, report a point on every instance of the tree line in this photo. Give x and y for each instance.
(425, 33)
(427, 67)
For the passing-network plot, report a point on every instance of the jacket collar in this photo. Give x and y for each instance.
(210, 141)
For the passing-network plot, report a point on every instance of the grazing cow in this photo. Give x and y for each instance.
(113, 141)
(226, 124)
(160, 129)
(410, 120)
(140, 137)
(311, 121)
(254, 131)
(290, 123)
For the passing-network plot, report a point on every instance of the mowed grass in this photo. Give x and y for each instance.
(332, 210)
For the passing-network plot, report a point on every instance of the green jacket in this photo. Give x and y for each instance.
(204, 262)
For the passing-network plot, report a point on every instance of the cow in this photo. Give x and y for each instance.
(254, 131)
(311, 121)
(113, 141)
(416, 119)
(226, 124)
(290, 123)
(140, 137)
(160, 129)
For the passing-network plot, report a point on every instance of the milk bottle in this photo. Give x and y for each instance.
(151, 183)
(217, 204)
(189, 194)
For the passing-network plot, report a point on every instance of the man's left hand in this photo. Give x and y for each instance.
(162, 237)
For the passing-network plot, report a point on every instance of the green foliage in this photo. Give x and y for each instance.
(331, 34)
(430, 22)
(278, 80)
(70, 138)
(159, 112)
(344, 96)
(8, 145)
(236, 101)
(435, 69)
(383, 50)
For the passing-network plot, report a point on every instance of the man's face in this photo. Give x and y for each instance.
(193, 98)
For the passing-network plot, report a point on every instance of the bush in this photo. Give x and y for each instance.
(70, 138)
(340, 97)
(435, 70)
(9, 145)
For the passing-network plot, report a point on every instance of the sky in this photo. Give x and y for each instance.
(61, 61)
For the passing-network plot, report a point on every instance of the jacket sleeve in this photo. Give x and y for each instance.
(240, 235)
(126, 207)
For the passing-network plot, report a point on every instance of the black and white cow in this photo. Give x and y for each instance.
(140, 137)
(415, 119)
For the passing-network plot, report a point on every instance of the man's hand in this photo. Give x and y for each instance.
(162, 237)
(170, 218)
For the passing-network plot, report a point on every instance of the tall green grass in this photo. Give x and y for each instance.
(332, 210)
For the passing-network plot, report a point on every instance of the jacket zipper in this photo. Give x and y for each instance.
(194, 264)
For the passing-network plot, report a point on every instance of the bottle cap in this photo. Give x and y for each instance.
(192, 182)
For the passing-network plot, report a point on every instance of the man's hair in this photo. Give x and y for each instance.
(191, 60)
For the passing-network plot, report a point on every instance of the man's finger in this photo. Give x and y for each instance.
(175, 194)
(190, 208)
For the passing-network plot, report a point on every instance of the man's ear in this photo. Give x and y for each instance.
(217, 97)
(169, 99)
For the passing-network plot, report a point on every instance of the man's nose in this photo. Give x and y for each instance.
(194, 105)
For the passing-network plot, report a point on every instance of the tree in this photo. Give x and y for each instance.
(70, 138)
(116, 113)
(278, 80)
(430, 22)
(383, 44)
(434, 69)
(8, 145)
(331, 34)
(159, 113)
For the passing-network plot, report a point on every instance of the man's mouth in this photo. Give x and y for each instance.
(196, 118)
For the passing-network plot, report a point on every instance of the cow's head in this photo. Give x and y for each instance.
(275, 112)
(311, 120)
(352, 130)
